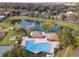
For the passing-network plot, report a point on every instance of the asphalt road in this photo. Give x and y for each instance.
(76, 53)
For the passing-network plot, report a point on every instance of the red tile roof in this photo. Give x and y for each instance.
(52, 36)
(36, 34)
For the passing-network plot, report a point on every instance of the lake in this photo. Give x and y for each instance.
(24, 23)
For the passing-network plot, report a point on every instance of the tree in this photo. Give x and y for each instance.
(66, 36)
(61, 34)
(18, 52)
(46, 26)
(76, 41)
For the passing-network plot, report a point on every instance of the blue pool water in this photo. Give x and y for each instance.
(37, 26)
(31, 46)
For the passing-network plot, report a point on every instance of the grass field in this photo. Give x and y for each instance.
(68, 24)
(6, 39)
(6, 23)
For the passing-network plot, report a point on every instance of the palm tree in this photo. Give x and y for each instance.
(65, 36)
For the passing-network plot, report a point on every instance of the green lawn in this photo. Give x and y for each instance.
(5, 25)
(69, 24)
(6, 39)
(27, 18)
(22, 17)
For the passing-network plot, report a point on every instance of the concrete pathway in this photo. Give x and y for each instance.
(67, 50)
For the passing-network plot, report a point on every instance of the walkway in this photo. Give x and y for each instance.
(68, 48)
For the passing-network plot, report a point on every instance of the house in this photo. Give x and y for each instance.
(61, 16)
(6, 13)
(77, 20)
(38, 34)
(36, 12)
(70, 13)
(52, 36)
(70, 19)
(45, 14)
(1, 17)
(23, 13)
(2, 33)
(35, 34)
(70, 4)
(70, 16)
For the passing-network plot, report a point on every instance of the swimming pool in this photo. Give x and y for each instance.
(32, 46)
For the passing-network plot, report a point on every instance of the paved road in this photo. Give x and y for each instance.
(76, 53)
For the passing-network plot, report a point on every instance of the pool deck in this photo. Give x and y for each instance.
(54, 44)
